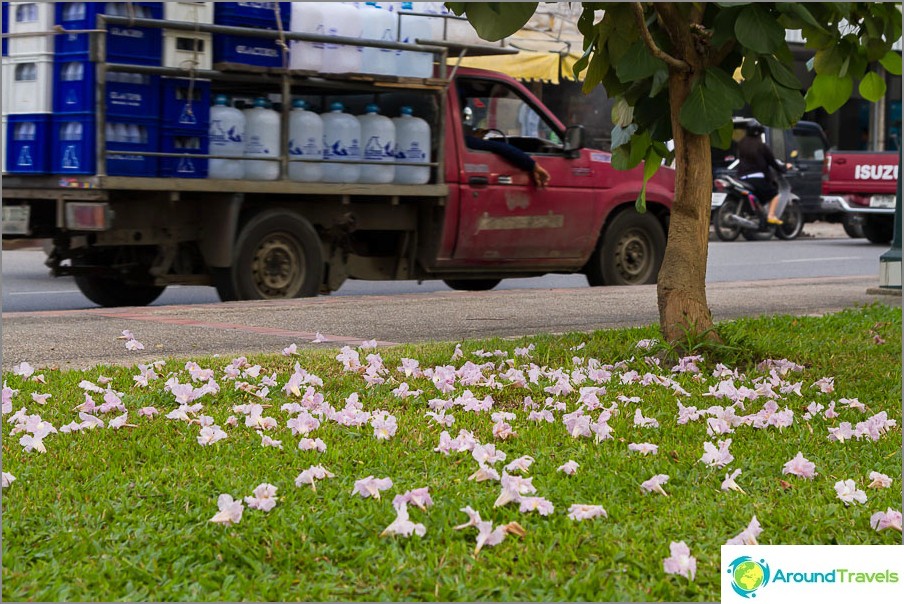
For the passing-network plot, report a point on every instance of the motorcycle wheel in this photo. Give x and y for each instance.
(725, 230)
(792, 223)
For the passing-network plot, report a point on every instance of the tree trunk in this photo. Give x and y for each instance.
(681, 288)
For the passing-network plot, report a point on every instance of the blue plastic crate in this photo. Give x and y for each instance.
(127, 94)
(246, 50)
(131, 45)
(184, 141)
(74, 150)
(260, 15)
(186, 104)
(27, 149)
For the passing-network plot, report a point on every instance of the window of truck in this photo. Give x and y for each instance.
(808, 144)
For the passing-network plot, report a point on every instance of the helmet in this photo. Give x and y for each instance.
(754, 128)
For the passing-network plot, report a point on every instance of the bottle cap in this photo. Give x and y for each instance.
(221, 99)
(299, 104)
(337, 106)
(406, 110)
(372, 108)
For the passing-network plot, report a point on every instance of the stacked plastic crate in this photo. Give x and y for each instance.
(247, 50)
(27, 85)
(132, 101)
(186, 101)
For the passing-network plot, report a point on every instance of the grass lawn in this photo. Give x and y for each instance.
(125, 514)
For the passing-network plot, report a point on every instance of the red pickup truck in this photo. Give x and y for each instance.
(862, 185)
(478, 220)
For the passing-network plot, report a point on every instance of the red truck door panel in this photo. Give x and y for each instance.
(502, 214)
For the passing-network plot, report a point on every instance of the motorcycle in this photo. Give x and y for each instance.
(742, 213)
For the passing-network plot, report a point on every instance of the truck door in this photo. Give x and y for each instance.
(503, 215)
(805, 148)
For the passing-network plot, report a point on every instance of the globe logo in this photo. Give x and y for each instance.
(748, 575)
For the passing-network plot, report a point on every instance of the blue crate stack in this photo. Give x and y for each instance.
(185, 123)
(260, 52)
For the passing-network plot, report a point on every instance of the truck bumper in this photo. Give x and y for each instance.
(879, 204)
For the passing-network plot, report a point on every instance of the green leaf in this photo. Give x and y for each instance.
(829, 92)
(621, 158)
(892, 62)
(775, 105)
(801, 12)
(782, 74)
(829, 61)
(759, 31)
(637, 63)
(722, 83)
(660, 82)
(622, 113)
(711, 102)
(724, 25)
(721, 137)
(872, 86)
(496, 20)
(596, 71)
(581, 64)
(621, 135)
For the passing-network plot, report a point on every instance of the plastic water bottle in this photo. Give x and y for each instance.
(412, 145)
(341, 143)
(135, 135)
(227, 137)
(341, 19)
(378, 139)
(305, 142)
(379, 24)
(307, 18)
(414, 64)
(261, 140)
(122, 133)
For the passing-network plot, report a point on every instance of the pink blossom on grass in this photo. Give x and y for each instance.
(889, 519)
(7, 479)
(230, 510)
(540, 505)
(879, 481)
(487, 454)
(513, 487)
(569, 467)
(371, 487)
(654, 484)
(717, 457)
(402, 525)
(522, 464)
(586, 512)
(419, 498)
(40, 399)
(312, 444)
(730, 484)
(210, 435)
(263, 497)
(800, 466)
(384, 425)
(848, 492)
(643, 448)
(680, 562)
(147, 412)
(484, 473)
(266, 441)
(644, 422)
(748, 536)
(311, 475)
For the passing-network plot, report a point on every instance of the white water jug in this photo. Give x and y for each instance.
(411, 28)
(378, 142)
(412, 145)
(307, 18)
(341, 19)
(227, 138)
(379, 23)
(305, 142)
(261, 140)
(341, 143)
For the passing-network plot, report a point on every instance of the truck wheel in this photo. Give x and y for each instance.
(114, 292)
(725, 230)
(472, 285)
(629, 251)
(278, 255)
(878, 229)
(792, 223)
(853, 226)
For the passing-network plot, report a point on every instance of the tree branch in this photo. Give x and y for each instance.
(651, 44)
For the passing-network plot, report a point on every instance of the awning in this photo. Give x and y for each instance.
(533, 66)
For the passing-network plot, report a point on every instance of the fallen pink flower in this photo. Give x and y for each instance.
(371, 487)
(800, 466)
(419, 498)
(680, 562)
(541, 505)
(311, 474)
(147, 412)
(7, 479)
(730, 484)
(586, 512)
(263, 498)
(569, 467)
(230, 510)
(748, 535)
(483, 474)
(643, 448)
(521, 464)
(473, 518)
(717, 457)
(654, 485)
(879, 481)
(889, 519)
(403, 526)
(849, 493)
(312, 444)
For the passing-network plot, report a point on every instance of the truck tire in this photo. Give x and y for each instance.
(629, 251)
(472, 285)
(792, 223)
(277, 255)
(853, 226)
(878, 229)
(113, 292)
(726, 231)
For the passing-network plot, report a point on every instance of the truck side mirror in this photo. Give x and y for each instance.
(574, 141)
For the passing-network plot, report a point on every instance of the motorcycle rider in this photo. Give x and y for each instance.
(756, 159)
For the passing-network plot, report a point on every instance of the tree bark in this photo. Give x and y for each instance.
(681, 286)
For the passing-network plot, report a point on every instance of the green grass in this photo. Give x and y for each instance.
(123, 515)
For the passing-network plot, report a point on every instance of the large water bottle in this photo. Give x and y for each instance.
(305, 142)
(227, 138)
(378, 138)
(412, 145)
(341, 143)
(414, 64)
(341, 19)
(379, 23)
(307, 18)
(261, 140)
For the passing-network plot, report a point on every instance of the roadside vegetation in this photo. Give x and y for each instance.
(134, 509)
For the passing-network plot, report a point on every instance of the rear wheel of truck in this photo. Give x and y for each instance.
(277, 255)
(472, 285)
(114, 292)
(878, 229)
(131, 287)
(853, 226)
(629, 252)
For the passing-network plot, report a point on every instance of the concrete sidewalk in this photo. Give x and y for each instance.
(83, 338)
